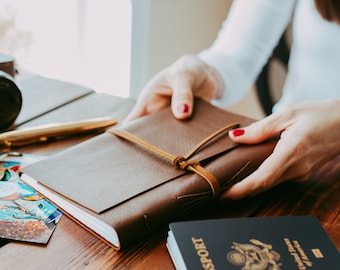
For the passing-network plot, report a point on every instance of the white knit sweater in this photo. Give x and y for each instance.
(249, 35)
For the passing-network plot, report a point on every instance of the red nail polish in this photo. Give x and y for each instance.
(183, 108)
(238, 132)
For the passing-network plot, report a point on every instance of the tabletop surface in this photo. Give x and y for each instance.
(72, 247)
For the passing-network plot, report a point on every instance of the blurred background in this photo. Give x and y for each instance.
(87, 42)
(113, 46)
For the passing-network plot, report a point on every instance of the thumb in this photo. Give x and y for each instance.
(182, 100)
(257, 132)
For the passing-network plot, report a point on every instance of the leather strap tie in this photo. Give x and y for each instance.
(182, 162)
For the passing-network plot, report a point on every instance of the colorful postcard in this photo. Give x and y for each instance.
(24, 214)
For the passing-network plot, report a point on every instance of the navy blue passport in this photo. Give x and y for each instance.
(260, 243)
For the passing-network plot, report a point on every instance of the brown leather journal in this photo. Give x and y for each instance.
(135, 179)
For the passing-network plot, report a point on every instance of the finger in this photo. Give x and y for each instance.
(254, 184)
(154, 97)
(182, 100)
(149, 103)
(270, 173)
(182, 104)
(137, 111)
(259, 131)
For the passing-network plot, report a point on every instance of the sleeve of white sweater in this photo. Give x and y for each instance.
(245, 42)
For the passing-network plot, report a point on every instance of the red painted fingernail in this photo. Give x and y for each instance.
(183, 108)
(238, 132)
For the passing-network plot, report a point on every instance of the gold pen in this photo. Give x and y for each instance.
(44, 132)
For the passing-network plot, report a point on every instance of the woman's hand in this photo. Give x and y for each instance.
(310, 136)
(176, 86)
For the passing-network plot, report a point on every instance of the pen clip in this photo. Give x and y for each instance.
(9, 143)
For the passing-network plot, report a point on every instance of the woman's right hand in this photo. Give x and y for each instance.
(176, 86)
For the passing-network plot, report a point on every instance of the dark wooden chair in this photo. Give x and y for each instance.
(264, 86)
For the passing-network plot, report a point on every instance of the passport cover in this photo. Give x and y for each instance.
(137, 192)
(276, 243)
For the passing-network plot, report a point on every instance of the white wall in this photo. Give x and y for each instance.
(163, 30)
(90, 43)
(82, 41)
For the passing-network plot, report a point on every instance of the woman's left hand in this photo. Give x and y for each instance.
(309, 137)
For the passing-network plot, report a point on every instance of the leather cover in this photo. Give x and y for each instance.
(136, 191)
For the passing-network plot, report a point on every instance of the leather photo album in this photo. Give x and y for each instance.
(281, 243)
(134, 179)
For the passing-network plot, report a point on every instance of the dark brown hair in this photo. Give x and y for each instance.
(329, 9)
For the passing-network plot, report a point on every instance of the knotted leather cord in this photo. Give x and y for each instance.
(182, 162)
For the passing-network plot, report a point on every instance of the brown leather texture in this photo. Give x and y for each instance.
(138, 192)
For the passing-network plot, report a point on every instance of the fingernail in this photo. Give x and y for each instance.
(183, 108)
(237, 132)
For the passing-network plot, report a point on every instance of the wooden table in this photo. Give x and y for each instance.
(72, 247)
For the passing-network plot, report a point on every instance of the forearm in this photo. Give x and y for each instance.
(245, 42)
